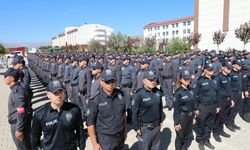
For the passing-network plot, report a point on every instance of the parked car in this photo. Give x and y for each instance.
(13, 54)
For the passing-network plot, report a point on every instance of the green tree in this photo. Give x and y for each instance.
(218, 38)
(243, 33)
(2, 49)
(149, 45)
(95, 45)
(117, 41)
(178, 44)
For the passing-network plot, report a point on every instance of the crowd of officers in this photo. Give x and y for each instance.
(107, 91)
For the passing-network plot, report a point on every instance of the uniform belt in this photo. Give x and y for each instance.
(187, 113)
(151, 125)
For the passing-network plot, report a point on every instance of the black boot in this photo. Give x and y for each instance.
(201, 146)
(208, 144)
(223, 133)
(217, 137)
(231, 128)
(235, 126)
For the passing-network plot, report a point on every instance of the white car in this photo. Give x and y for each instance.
(12, 54)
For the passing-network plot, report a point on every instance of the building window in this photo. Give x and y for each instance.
(167, 33)
(184, 31)
(158, 34)
(163, 40)
(148, 29)
(184, 23)
(188, 31)
(163, 27)
(159, 28)
(189, 22)
(177, 24)
(151, 29)
(176, 31)
(163, 33)
(166, 26)
(173, 25)
(173, 32)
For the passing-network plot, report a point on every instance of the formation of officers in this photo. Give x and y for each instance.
(109, 91)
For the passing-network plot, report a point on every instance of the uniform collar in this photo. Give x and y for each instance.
(17, 83)
(52, 109)
(105, 95)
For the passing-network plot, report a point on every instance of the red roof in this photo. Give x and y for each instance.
(169, 21)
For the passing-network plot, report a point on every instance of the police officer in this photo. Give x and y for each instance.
(206, 109)
(84, 83)
(168, 75)
(147, 113)
(225, 100)
(107, 120)
(59, 122)
(236, 84)
(67, 77)
(95, 85)
(53, 68)
(74, 81)
(17, 107)
(246, 88)
(116, 69)
(128, 83)
(144, 66)
(184, 112)
(61, 68)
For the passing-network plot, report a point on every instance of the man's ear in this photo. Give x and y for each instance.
(49, 95)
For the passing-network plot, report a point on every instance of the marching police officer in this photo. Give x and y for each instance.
(17, 107)
(66, 78)
(61, 68)
(59, 122)
(184, 112)
(107, 120)
(144, 66)
(147, 112)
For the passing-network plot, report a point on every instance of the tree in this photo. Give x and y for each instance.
(243, 33)
(194, 39)
(218, 38)
(149, 44)
(95, 45)
(178, 44)
(2, 49)
(117, 41)
(136, 42)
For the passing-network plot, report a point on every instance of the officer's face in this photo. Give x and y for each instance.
(209, 72)
(237, 67)
(143, 66)
(149, 83)
(8, 80)
(226, 70)
(185, 82)
(56, 97)
(108, 85)
(96, 71)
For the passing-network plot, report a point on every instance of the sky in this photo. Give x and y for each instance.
(40, 20)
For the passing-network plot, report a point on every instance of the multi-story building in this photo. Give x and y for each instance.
(226, 15)
(82, 35)
(165, 31)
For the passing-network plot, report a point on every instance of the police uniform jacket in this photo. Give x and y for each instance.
(184, 103)
(61, 130)
(18, 107)
(146, 107)
(107, 113)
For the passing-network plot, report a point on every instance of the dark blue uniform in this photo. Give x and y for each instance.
(183, 115)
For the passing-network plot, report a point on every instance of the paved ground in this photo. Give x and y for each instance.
(238, 141)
